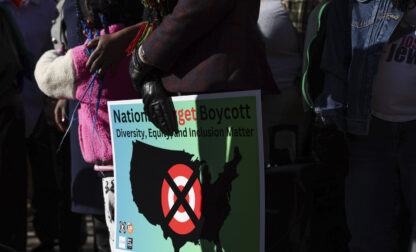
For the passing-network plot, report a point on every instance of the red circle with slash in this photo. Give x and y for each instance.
(181, 223)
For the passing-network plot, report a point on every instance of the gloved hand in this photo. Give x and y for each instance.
(138, 70)
(157, 105)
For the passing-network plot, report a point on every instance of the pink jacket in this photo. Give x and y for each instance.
(66, 76)
(118, 87)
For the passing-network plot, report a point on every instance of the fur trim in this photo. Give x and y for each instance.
(55, 74)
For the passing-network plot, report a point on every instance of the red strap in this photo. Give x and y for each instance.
(134, 42)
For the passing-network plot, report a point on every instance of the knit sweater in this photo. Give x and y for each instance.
(66, 76)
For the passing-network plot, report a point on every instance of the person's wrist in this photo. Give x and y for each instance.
(141, 72)
(138, 61)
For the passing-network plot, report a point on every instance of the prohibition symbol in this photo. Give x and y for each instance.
(181, 199)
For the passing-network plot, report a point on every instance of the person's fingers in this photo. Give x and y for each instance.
(93, 43)
(60, 118)
(93, 57)
(62, 114)
(168, 123)
(57, 116)
(97, 64)
(167, 120)
(104, 67)
(172, 115)
(147, 110)
(159, 110)
(155, 113)
(64, 123)
(156, 118)
(62, 126)
(163, 119)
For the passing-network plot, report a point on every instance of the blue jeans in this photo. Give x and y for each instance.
(380, 185)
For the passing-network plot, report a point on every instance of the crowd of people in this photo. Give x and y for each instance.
(61, 61)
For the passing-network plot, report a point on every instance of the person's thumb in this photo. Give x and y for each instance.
(93, 43)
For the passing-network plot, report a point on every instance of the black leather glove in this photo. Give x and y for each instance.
(157, 105)
(138, 70)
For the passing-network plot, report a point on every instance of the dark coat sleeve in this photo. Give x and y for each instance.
(336, 56)
(189, 22)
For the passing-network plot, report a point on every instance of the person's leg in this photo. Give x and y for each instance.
(372, 189)
(45, 188)
(13, 175)
(70, 223)
(407, 163)
(101, 234)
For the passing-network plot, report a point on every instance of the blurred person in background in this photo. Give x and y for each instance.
(298, 176)
(298, 12)
(369, 94)
(284, 56)
(14, 62)
(52, 218)
(33, 20)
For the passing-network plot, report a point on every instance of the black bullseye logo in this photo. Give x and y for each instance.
(181, 199)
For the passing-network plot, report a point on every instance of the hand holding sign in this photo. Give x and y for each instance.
(159, 107)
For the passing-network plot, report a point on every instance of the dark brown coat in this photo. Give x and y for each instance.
(211, 46)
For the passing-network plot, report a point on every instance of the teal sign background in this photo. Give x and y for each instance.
(224, 121)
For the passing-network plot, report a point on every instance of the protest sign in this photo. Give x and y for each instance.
(201, 189)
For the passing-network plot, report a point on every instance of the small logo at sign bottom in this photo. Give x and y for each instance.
(122, 242)
(122, 228)
(130, 243)
(130, 228)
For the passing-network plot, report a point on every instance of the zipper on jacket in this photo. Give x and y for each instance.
(306, 97)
